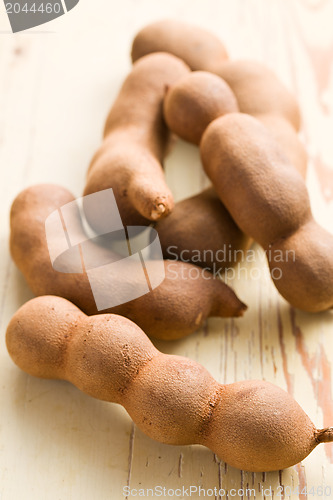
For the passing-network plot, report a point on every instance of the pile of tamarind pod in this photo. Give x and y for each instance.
(177, 307)
(181, 82)
(257, 89)
(252, 161)
(245, 86)
(130, 161)
(264, 194)
(252, 425)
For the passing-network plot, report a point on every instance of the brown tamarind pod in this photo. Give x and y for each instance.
(197, 47)
(174, 309)
(269, 202)
(200, 230)
(252, 425)
(194, 101)
(135, 143)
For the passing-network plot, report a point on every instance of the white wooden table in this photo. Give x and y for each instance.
(57, 83)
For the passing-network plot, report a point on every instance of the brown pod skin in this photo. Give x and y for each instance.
(305, 278)
(200, 230)
(251, 425)
(261, 94)
(176, 308)
(136, 141)
(194, 101)
(259, 91)
(269, 201)
(199, 48)
(285, 134)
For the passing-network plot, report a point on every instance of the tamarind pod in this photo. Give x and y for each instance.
(269, 202)
(176, 308)
(199, 48)
(200, 230)
(135, 143)
(251, 425)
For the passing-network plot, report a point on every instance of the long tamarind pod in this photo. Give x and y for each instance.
(252, 425)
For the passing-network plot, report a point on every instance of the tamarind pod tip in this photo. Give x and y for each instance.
(324, 435)
(242, 309)
(228, 304)
(158, 211)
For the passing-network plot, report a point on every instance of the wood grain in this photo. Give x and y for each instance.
(56, 86)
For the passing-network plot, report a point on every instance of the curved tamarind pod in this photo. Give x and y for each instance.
(252, 425)
(269, 202)
(197, 47)
(135, 143)
(194, 101)
(176, 308)
(200, 230)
